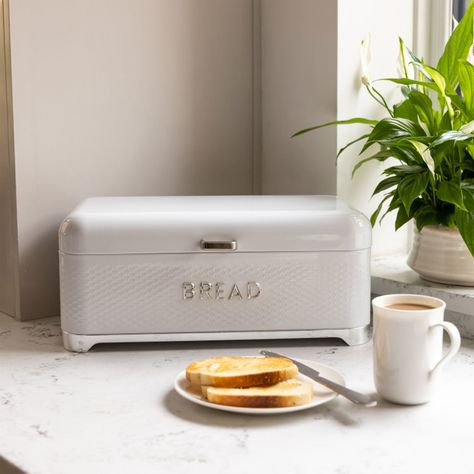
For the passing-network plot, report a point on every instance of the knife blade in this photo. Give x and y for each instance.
(352, 395)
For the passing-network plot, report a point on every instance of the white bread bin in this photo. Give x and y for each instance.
(213, 268)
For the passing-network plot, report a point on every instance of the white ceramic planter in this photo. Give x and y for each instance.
(439, 254)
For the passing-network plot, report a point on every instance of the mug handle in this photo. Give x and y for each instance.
(455, 339)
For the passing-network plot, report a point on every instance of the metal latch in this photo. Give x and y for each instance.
(219, 245)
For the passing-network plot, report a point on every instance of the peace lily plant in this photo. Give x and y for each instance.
(430, 134)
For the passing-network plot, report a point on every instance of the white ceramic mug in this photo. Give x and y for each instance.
(408, 347)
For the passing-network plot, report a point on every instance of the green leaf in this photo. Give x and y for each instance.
(425, 215)
(445, 122)
(468, 196)
(406, 110)
(448, 191)
(391, 129)
(381, 155)
(440, 82)
(375, 214)
(413, 57)
(465, 224)
(411, 187)
(386, 184)
(405, 90)
(446, 216)
(465, 220)
(437, 77)
(403, 170)
(424, 108)
(351, 143)
(425, 154)
(404, 152)
(470, 150)
(337, 122)
(466, 81)
(457, 101)
(451, 136)
(402, 218)
(419, 65)
(468, 165)
(395, 203)
(457, 48)
(409, 82)
(402, 144)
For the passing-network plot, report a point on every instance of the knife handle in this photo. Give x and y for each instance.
(352, 395)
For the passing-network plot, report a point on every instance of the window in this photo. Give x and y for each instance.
(459, 8)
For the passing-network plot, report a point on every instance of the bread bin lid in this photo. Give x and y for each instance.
(186, 224)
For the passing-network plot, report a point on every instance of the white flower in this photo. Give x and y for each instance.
(365, 59)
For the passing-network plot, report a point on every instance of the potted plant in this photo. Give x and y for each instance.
(430, 135)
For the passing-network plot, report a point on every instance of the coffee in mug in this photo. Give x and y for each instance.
(408, 344)
(409, 306)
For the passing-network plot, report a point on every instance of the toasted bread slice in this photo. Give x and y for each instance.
(238, 372)
(284, 394)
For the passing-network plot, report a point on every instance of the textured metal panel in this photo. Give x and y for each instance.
(107, 294)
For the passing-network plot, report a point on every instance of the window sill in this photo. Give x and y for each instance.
(392, 275)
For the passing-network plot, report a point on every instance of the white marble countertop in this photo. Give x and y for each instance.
(113, 410)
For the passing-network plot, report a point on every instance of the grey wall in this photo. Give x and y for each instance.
(299, 89)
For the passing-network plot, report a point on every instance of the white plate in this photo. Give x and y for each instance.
(321, 393)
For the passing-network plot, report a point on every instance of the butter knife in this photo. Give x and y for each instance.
(352, 395)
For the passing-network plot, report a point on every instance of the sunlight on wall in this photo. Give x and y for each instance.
(385, 22)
